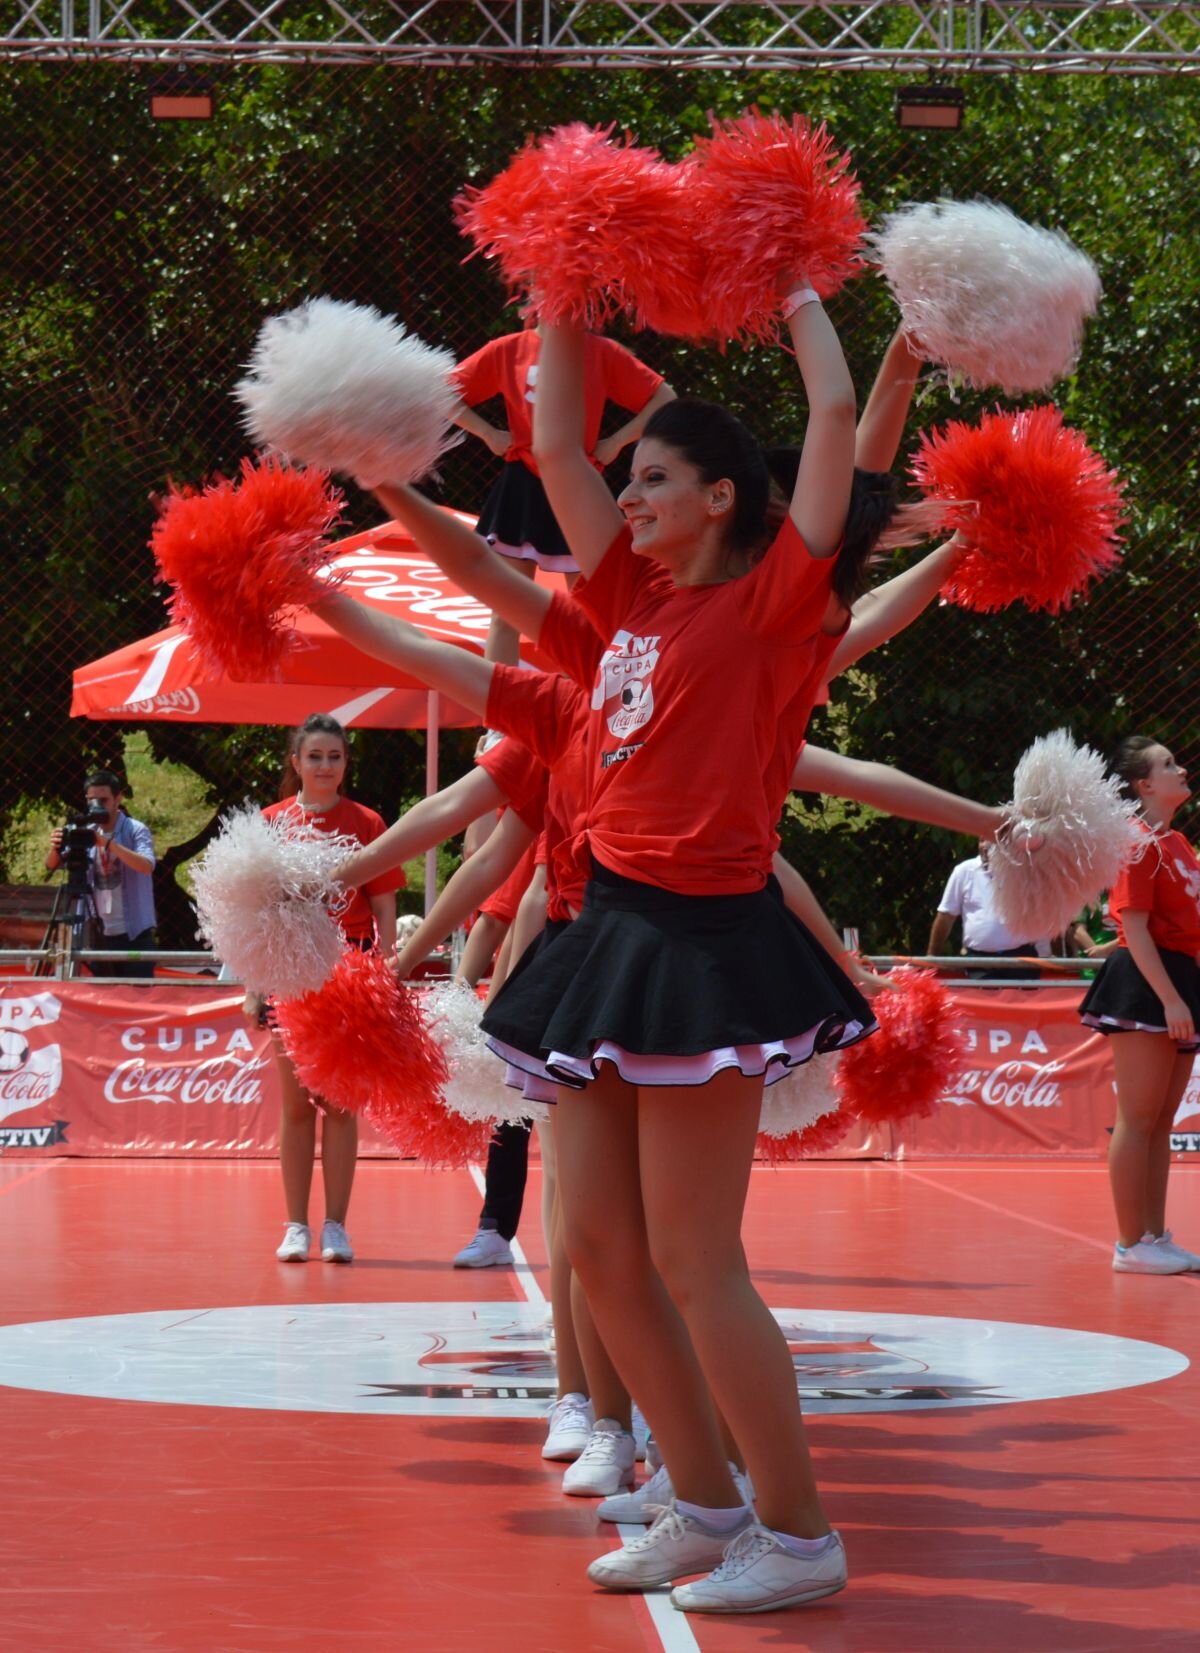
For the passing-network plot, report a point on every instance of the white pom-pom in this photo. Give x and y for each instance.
(995, 300)
(345, 388)
(263, 894)
(804, 1095)
(1071, 833)
(476, 1089)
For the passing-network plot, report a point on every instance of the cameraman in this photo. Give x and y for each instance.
(120, 864)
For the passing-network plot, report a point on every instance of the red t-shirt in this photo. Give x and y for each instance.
(1164, 881)
(686, 713)
(504, 901)
(507, 368)
(353, 821)
(520, 776)
(552, 715)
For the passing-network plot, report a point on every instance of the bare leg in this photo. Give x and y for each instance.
(503, 640)
(696, 1149)
(339, 1156)
(545, 1133)
(1159, 1167)
(572, 1378)
(486, 937)
(297, 1139)
(1145, 1066)
(601, 1202)
(610, 1398)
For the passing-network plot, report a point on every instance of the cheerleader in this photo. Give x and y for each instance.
(312, 796)
(516, 518)
(1147, 995)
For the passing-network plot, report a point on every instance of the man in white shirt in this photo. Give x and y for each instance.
(969, 896)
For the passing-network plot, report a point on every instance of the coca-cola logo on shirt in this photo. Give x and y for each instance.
(1019, 1080)
(187, 1064)
(624, 689)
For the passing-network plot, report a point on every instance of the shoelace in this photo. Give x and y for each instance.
(669, 1524)
(572, 1416)
(601, 1448)
(744, 1550)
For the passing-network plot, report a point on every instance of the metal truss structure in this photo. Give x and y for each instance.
(1142, 37)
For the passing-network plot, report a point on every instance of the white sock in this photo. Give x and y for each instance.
(719, 1520)
(803, 1547)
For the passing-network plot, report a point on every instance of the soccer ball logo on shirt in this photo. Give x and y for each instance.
(624, 689)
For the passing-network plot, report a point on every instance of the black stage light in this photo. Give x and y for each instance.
(930, 107)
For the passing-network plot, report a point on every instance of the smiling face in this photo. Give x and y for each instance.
(1166, 785)
(671, 511)
(320, 762)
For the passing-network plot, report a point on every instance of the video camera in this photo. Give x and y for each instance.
(79, 835)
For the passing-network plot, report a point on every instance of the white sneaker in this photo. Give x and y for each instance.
(296, 1241)
(1148, 1257)
(488, 1249)
(641, 1507)
(673, 1547)
(654, 1457)
(606, 1463)
(335, 1243)
(570, 1428)
(1167, 1244)
(759, 1574)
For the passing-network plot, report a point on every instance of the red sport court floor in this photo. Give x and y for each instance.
(206, 1449)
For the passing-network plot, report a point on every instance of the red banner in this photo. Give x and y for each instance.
(108, 1068)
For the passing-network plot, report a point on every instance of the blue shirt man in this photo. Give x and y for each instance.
(120, 875)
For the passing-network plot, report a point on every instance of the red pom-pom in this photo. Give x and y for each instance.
(584, 227)
(777, 200)
(360, 1044)
(1038, 509)
(441, 1138)
(239, 556)
(818, 1138)
(902, 1070)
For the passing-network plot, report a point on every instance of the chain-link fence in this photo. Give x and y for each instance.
(140, 258)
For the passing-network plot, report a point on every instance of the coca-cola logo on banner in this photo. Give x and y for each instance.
(190, 1064)
(30, 1069)
(1019, 1080)
(185, 702)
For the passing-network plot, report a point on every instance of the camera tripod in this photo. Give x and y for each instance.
(71, 922)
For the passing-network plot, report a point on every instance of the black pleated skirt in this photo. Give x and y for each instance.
(517, 520)
(673, 989)
(1121, 1000)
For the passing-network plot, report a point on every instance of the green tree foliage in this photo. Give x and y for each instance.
(140, 258)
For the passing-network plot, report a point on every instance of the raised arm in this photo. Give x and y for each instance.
(426, 824)
(893, 792)
(822, 494)
(881, 428)
(579, 497)
(468, 560)
(455, 671)
(886, 610)
(468, 889)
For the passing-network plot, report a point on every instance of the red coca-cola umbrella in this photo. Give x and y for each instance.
(160, 678)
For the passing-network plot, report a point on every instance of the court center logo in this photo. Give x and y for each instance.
(490, 1359)
(30, 1069)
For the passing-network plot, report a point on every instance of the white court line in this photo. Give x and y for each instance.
(525, 1275)
(674, 1631)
